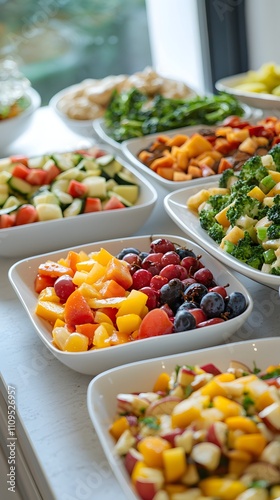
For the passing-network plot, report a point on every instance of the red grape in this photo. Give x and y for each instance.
(141, 278)
(204, 276)
(64, 286)
(152, 301)
(170, 258)
(162, 245)
(158, 281)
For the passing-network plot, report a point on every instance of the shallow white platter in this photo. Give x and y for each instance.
(22, 276)
(139, 377)
(40, 237)
(132, 147)
(175, 205)
(255, 99)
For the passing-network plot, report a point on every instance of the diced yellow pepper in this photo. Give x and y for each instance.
(97, 271)
(103, 257)
(197, 199)
(257, 193)
(85, 265)
(49, 311)
(234, 235)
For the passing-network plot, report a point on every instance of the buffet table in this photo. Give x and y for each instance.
(58, 455)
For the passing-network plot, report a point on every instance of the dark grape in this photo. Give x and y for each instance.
(171, 292)
(195, 292)
(142, 255)
(184, 320)
(125, 251)
(188, 305)
(162, 245)
(212, 304)
(185, 252)
(235, 305)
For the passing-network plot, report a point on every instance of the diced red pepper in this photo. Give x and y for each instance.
(256, 130)
(235, 122)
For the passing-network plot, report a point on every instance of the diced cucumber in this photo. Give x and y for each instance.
(121, 198)
(20, 186)
(45, 197)
(4, 176)
(48, 211)
(96, 186)
(5, 164)
(48, 164)
(37, 161)
(4, 193)
(104, 160)
(88, 164)
(64, 161)
(129, 192)
(59, 188)
(14, 202)
(90, 173)
(125, 177)
(110, 184)
(75, 208)
(112, 169)
(71, 173)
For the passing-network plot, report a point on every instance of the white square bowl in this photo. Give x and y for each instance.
(139, 377)
(22, 276)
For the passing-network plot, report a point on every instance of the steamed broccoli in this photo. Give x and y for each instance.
(275, 153)
(248, 251)
(273, 232)
(227, 178)
(216, 232)
(273, 212)
(207, 219)
(218, 202)
(253, 171)
(245, 205)
(239, 187)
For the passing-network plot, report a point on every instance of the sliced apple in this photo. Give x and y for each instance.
(149, 483)
(217, 434)
(263, 471)
(124, 443)
(211, 368)
(271, 454)
(238, 368)
(206, 454)
(185, 376)
(131, 458)
(172, 435)
(162, 406)
(132, 404)
(271, 416)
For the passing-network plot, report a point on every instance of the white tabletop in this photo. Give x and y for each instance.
(55, 431)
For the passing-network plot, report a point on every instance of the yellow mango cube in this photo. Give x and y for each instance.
(184, 413)
(228, 407)
(225, 489)
(174, 463)
(252, 443)
(97, 271)
(76, 342)
(79, 278)
(128, 323)
(134, 303)
(50, 311)
(197, 199)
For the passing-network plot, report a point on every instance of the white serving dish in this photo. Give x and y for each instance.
(131, 148)
(101, 131)
(255, 99)
(22, 276)
(139, 377)
(40, 237)
(175, 205)
(80, 127)
(12, 128)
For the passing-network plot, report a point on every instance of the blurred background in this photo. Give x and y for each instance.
(61, 42)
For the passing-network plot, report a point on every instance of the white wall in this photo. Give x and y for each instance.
(178, 46)
(262, 19)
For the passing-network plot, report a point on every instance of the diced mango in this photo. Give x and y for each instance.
(103, 257)
(197, 199)
(213, 389)
(228, 407)
(152, 448)
(118, 270)
(221, 217)
(184, 413)
(225, 489)
(96, 272)
(49, 311)
(134, 303)
(162, 382)
(252, 443)
(243, 423)
(118, 427)
(174, 463)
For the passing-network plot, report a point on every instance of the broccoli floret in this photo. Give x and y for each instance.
(273, 232)
(253, 171)
(216, 232)
(275, 271)
(248, 251)
(245, 205)
(239, 187)
(226, 178)
(218, 202)
(207, 219)
(273, 212)
(275, 153)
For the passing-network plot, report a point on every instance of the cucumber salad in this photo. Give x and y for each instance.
(59, 185)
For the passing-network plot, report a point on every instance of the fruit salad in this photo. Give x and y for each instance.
(98, 300)
(203, 434)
